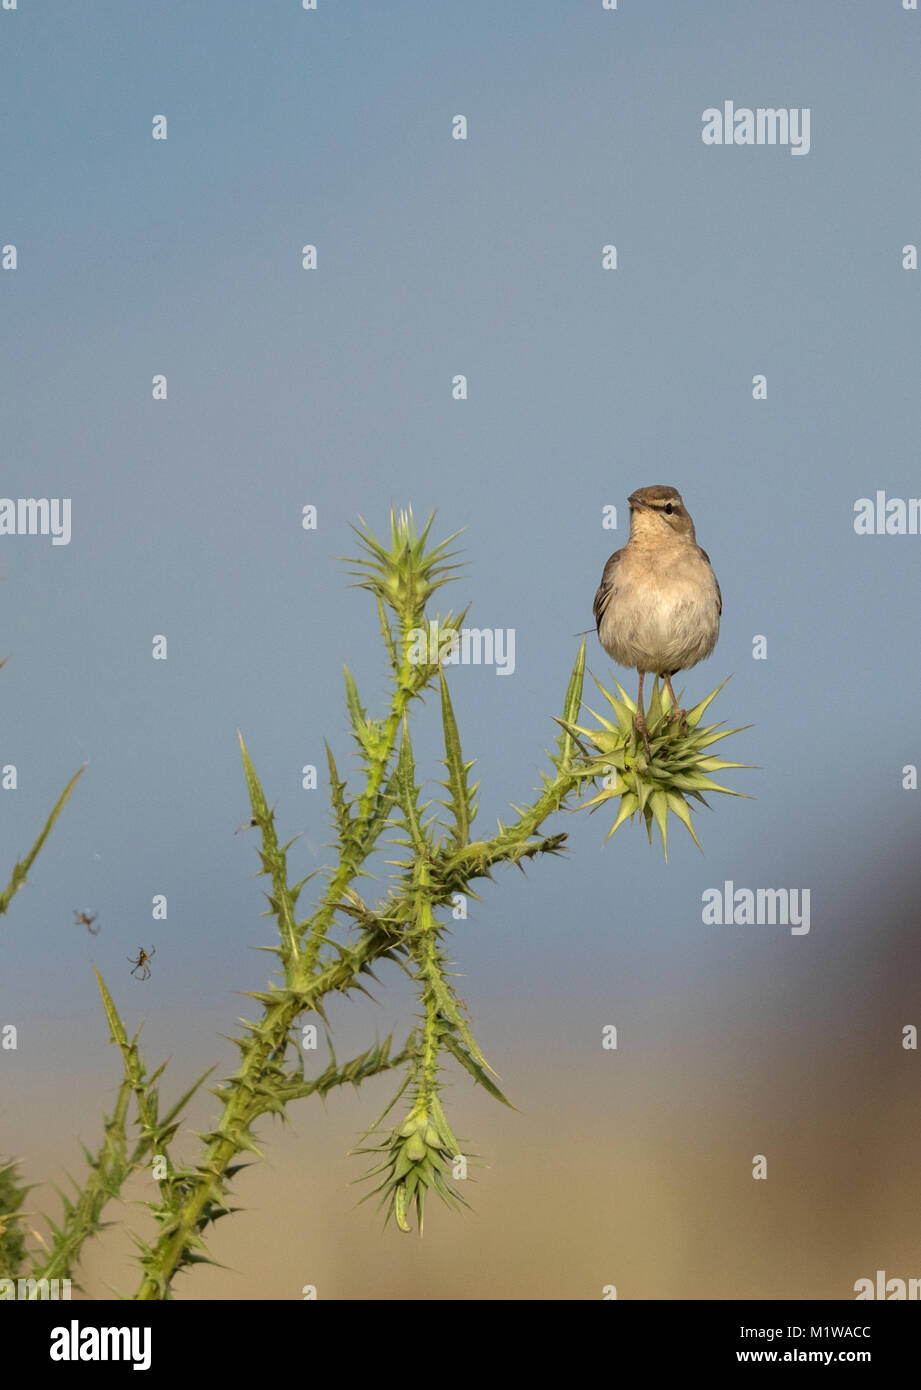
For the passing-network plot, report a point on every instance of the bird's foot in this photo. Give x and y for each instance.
(682, 717)
(639, 723)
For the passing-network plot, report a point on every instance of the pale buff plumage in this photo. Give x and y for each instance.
(658, 606)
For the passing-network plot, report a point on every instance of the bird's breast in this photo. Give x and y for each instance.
(663, 615)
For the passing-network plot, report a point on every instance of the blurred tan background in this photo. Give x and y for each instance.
(630, 1168)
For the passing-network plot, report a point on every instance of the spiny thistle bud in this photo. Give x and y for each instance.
(405, 576)
(675, 768)
(419, 1157)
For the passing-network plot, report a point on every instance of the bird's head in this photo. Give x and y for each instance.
(654, 510)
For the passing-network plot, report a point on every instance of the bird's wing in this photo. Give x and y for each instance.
(607, 588)
(719, 596)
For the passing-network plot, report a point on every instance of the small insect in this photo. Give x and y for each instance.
(83, 919)
(251, 824)
(143, 962)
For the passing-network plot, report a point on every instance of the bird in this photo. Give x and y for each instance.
(659, 604)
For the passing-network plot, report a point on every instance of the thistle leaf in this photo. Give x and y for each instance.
(572, 703)
(457, 786)
(474, 1068)
(409, 793)
(355, 708)
(22, 866)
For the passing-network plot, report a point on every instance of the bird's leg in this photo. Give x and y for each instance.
(639, 719)
(676, 712)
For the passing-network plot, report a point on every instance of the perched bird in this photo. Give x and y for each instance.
(658, 605)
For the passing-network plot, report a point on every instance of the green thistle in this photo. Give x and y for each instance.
(675, 769)
(334, 948)
(405, 575)
(418, 1159)
(12, 1241)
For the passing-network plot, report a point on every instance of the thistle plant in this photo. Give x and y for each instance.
(659, 781)
(13, 1254)
(18, 877)
(12, 1239)
(344, 940)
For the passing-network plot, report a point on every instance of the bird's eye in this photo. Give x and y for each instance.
(669, 509)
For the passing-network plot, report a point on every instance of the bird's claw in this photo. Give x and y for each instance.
(682, 717)
(639, 722)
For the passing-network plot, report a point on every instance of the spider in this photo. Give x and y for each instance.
(83, 919)
(143, 962)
